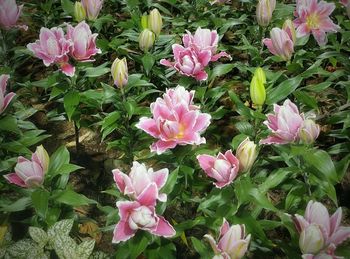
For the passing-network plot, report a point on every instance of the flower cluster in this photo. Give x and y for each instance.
(313, 17)
(288, 126)
(29, 174)
(176, 121)
(5, 99)
(142, 185)
(320, 234)
(196, 53)
(282, 41)
(233, 242)
(9, 14)
(53, 47)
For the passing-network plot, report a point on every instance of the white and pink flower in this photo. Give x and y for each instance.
(313, 17)
(83, 42)
(233, 242)
(92, 8)
(320, 234)
(53, 48)
(9, 14)
(285, 124)
(139, 180)
(176, 121)
(280, 44)
(140, 214)
(5, 99)
(223, 168)
(30, 173)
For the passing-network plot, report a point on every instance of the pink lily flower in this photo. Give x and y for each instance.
(29, 174)
(5, 99)
(313, 17)
(344, 2)
(139, 179)
(9, 14)
(232, 244)
(84, 42)
(223, 168)
(284, 124)
(53, 48)
(175, 121)
(319, 232)
(135, 215)
(92, 8)
(203, 40)
(281, 43)
(188, 62)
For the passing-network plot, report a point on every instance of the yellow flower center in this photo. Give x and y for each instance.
(312, 21)
(181, 132)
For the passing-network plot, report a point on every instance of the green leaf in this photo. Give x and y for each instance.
(170, 184)
(221, 70)
(57, 160)
(200, 248)
(282, 91)
(40, 200)
(67, 6)
(274, 179)
(148, 62)
(71, 101)
(19, 205)
(68, 168)
(72, 198)
(261, 199)
(85, 249)
(61, 228)
(323, 163)
(9, 123)
(39, 236)
(97, 71)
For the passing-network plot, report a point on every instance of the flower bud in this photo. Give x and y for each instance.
(42, 157)
(79, 12)
(92, 8)
(288, 26)
(144, 21)
(311, 240)
(155, 22)
(246, 154)
(309, 131)
(119, 72)
(257, 88)
(146, 40)
(264, 11)
(143, 217)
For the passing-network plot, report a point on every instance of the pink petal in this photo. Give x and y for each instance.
(340, 235)
(269, 45)
(68, 69)
(164, 228)
(224, 228)
(149, 195)
(13, 178)
(201, 76)
(273, 140)
(160, 177)
(149, 126)
(206, 162)
(161, 146)
(3, 83)
(122, 180)
(220, 55)
(165, 62)
(122, 232)
(335, 220)
(7, 101)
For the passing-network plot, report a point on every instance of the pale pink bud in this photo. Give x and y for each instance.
(311, 240)
(309, 132)
(280, 44)
(119, 72)
(9, 14)
(264, 11)
(5, 99)
(288, 26)
(92, 8)
(42, 158)
(84, 42)
(223, 168)
(246, 153)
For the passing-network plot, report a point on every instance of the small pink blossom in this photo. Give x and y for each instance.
(281, 43)
(285, 124)
(223, 168)
(92, 8)
(203, 40)
(345, 2)
(320, 233)
(53, 48)
(135, 215)
(5, 99)
(188, 62)
(29, 174)
(196, 53)
(9, 14)
(233, 242)
(139, 179)
(84, 42)
(313, 17)
(176, 121)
